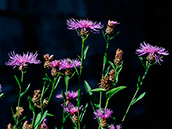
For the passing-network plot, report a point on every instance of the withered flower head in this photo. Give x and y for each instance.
(118, 57)
(48, 59)
(20, 112)
(26, 125)
(110, 26)
(103, 123)
(9, 126)
(105, 83)
(111, 74)
(36, 97)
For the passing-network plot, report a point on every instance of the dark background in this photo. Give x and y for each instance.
(40, 25)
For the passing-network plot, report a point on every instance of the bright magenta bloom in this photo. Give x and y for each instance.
(68, 63)
(153, 52)
(112, 23)
(86, 25)
(103, 113)
(22, 60)
(69, 95)
(71, 109)
(55, 63)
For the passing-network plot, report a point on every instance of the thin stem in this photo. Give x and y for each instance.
(138, 88)
(107, 102)
(128, 107)
(51, 93)
(100, 99)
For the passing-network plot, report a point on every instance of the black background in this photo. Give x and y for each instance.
(40, 25)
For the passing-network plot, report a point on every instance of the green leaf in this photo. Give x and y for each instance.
(139, 98)
(18, 82)
(22, 119)
(139, 79)
(98, 90)
(107, 71)
(105, 59)
(114, 35)
(93, 99)
(31, 104)
(57, 82)
(49, 114)
(13, 113)
(76, 68)
(85, 51)
(1, 95)
(26, 90)
(44, 115)
(38, 118)
(79, 97)
(113, 91)
(63, 96)
(83, 111)
(112, 64)
(66, 80)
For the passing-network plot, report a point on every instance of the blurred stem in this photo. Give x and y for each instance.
(134, 96)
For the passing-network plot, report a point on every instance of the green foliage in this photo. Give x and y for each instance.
(113, 91)
(26, 90)
(139, 98)
(98, 90)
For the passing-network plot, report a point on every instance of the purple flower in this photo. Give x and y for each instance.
(69, 95)
(0, 88)
(112, 23)
(22, 60)
(55, 63)
(43, 124)
(153, 52)
(68, 63)
(71, 109)
(103, 113)
(84, 25)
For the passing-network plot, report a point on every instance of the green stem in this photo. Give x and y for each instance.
(134, 96)
(51, 93)
(107, 102)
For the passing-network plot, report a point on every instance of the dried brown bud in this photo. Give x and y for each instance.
(109, 30)
(44, 103)
(36, 97)
(26, 125)
(54, 72)
(48, 59)
(105, 83)
(19, 110)
(74, 119)
(103, 123)
(84, 33)
(111, 74)
(68, 72)
(47, 64)
(118, 57)
(9, 126)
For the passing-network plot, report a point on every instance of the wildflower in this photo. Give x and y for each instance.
(154, 52)
(55, 67)
(9, 126)
(111, 74)
(84, 26)
(72, 110)
(118, 57)
(110, 26)
(103, 114)
(43, 124)
(112, 126)
(69, 95)
(48, 59)
(22, 60)
(19, 110)
(68, 64)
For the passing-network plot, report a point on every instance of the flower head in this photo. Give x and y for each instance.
(55, 63)
(71, 109)
(154, 52)
(0, 88)
(68, 63)
(22, 60)
(110, 26)
(103, 113)
(69, 95)
(84, 26)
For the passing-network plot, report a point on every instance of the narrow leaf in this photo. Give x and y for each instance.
(85, 51)
(31, 104)
(26, 90)
(113, 91)
(98, 90)
(44, 115)
(49, 114)
(112, 64)
(83, 111)
(139, 98)
(38, 118)
(57, 82)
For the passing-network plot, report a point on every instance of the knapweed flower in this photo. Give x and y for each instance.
(68, 63)
(110, 26)
(72, 110)
(55, 67)
(113, 127)
(22, 60)
(43, 124)
(0, 88)
(154, 52)
(103, 114)
(69, 95)
(118, 57)
(84, 26)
